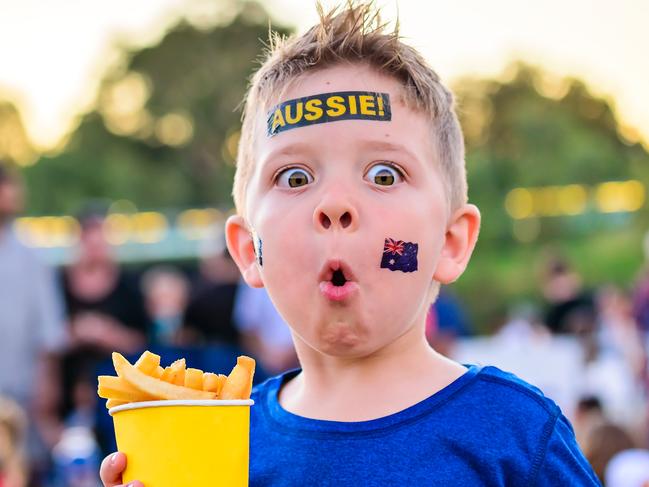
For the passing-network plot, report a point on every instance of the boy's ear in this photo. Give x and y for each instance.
(241, 246)
(461, 237)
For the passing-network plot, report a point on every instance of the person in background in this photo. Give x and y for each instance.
(224, 310)
(105, 314)
(570, 309)
(265, 334)
(641, 304)
(522, 324)
(589, 413)
(629, 468)
(641, 312)
(166, 293)
(208, 317)
(31, 327)
(618, 330)
(641, 294)
(603, 442)
(13, 427)
(446, 322)
(641, 315)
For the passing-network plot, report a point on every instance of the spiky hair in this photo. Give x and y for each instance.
(354, 33)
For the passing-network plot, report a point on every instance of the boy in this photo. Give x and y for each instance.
(351, 199)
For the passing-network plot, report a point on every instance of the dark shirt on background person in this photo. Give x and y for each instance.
(570, 308)
(123, 308)
(208, 316)
(124, 303)
(573, 316)
(105, 313)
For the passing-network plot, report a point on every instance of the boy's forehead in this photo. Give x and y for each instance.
(353, 85)
(343, 77)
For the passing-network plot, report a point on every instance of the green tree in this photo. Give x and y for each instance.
(533, 130)
(15, 146)
(517, 136)
(164, 127)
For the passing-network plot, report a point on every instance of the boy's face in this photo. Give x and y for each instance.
(334, 192)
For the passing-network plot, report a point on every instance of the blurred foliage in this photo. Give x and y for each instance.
(15, 147)
(534, 130)
(516, 136)
(164, 128)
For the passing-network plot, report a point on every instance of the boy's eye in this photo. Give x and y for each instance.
(293, 177)
(384, 175)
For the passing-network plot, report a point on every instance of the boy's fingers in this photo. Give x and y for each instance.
(111, 469)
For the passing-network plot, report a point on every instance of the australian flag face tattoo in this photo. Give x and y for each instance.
(399, 255)
(258, 248)
(260, 257)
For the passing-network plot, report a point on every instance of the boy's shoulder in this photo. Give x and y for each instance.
(488, 427)
(482, 392)
(271, 385)
(509, 387)
(478, 379)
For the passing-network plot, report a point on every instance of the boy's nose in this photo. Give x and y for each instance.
(335, 214)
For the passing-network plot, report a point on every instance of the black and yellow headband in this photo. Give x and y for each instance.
(328, 107)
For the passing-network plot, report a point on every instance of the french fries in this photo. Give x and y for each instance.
(147, 380)
(194, 379)
(111, 403)
(179, 372)
(117, 388)
(239, 382)
(148, 363)
(213, 382)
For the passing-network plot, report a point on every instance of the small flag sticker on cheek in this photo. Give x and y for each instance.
(399, 255)
(256, 243)
(260, 257)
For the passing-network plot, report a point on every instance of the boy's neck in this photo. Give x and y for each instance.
(358, 389)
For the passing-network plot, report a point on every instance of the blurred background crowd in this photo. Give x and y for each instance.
(112, 240)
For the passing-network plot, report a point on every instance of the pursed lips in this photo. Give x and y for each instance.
(337, 281)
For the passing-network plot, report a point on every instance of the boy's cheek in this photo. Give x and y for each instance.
(287, 257)
(293, 246)
(387, 301)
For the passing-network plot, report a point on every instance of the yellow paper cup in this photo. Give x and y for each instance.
(186, 443)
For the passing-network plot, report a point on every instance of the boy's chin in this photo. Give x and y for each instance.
(340, 338)
(345, 340)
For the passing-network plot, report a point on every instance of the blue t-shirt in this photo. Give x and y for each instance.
(487, 428)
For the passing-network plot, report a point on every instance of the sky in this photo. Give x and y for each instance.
(54, 52)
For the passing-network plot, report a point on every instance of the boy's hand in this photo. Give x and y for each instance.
(111, 471)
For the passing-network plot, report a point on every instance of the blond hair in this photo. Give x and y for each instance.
(354, 34)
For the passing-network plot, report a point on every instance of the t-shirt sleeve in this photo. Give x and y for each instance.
(563, 462)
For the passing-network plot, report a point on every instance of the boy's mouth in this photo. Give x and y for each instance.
(338, 279)
(337, 272)
(337, 282)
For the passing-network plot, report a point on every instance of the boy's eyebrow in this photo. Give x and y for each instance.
(299, 148)
(382, 145)
(289, 150)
